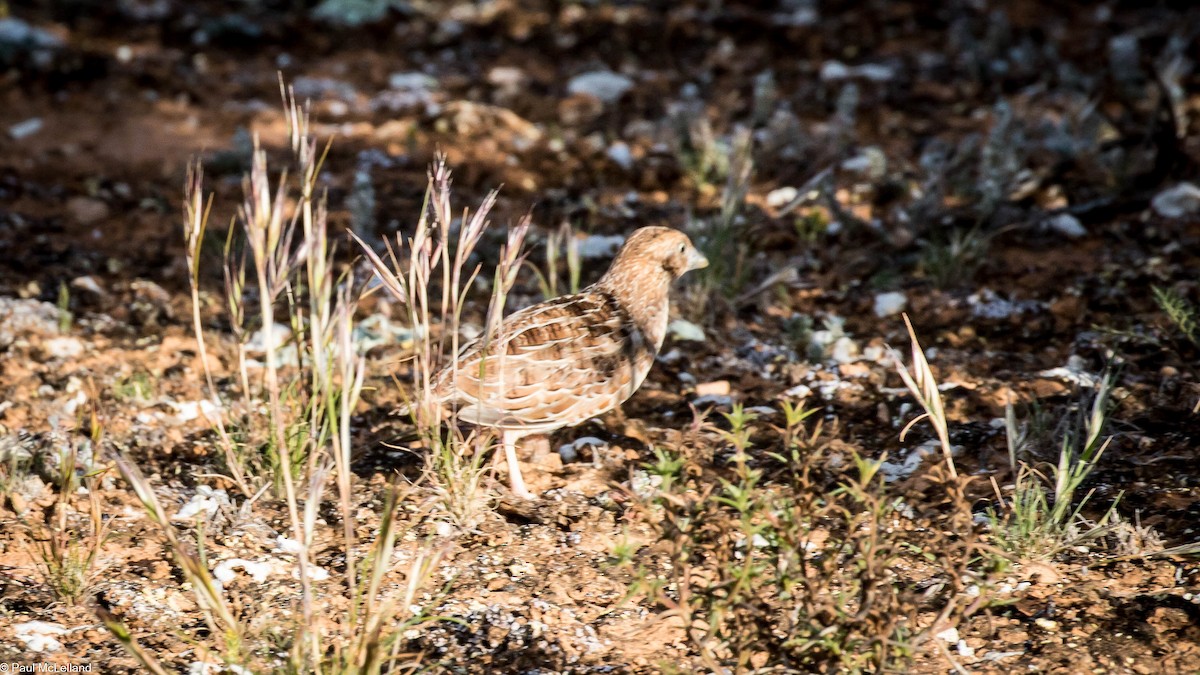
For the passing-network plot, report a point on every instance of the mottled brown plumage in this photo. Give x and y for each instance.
(569, 359)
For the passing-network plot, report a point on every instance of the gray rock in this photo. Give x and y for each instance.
(620, 155)
(1177, 202)
(1066, 225)
(605, 85)
(26, 128)
(17, 33)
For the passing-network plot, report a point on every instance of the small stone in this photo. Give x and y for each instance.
(620, 155)
(949, 635)
(717, 388)
(890, 304)
(26, 128)
(86, 210)
(681, 329)
(834, 71)
(19, 34)
(1177, 202)
(39, 636)
(844, 350)
(714, 400)
(415, 81)
(1066, 225)
(258, 571)
(799, 391)
(781, 197)
(1046, 624)
(605, 85)
(506, 78)
(89, 285)
(64, 347)
(570, 452)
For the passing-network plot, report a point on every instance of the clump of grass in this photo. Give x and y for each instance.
(1182, 313)
(776, 565)
(280, 278)
(16, 462)
(722, 236)
(1043, 515)
(430, 274)
(947, 258)
(924, 387)
(68, 546)
(303, 440)
(138, 387)
(560, 244)
(703, 154)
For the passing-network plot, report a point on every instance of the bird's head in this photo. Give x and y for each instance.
(653, 248)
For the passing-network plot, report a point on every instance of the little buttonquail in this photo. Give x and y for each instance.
(567, 360)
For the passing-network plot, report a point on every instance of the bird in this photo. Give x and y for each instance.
(561, 362)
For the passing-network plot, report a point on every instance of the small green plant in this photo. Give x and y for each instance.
(722, 236)
(69, 543)
(811, 225)
(138, 387)
(776, 565)
(951, 257)
(1182, 313)
(1044, 514)
(704, 156)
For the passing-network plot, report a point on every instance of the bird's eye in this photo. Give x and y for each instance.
(682, 248)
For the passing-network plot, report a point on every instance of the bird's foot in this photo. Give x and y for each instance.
(520, 490)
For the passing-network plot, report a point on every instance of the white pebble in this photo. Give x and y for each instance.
(781, 197)
(63, 347)
(844, 350)
(38, 636)
(24, 129)
(411, 81)
(605, 85)
(890, 304)
(620, 155)
(685, 330)
(948, 635)
(258, 571)
(1066, 225)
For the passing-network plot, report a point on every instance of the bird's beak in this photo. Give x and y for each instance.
(696, 259)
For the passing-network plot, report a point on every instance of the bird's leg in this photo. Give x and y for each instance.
(509, 439)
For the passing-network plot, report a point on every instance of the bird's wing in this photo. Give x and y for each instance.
(551, 365)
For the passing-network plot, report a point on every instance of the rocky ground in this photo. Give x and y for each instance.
(1020, 179)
